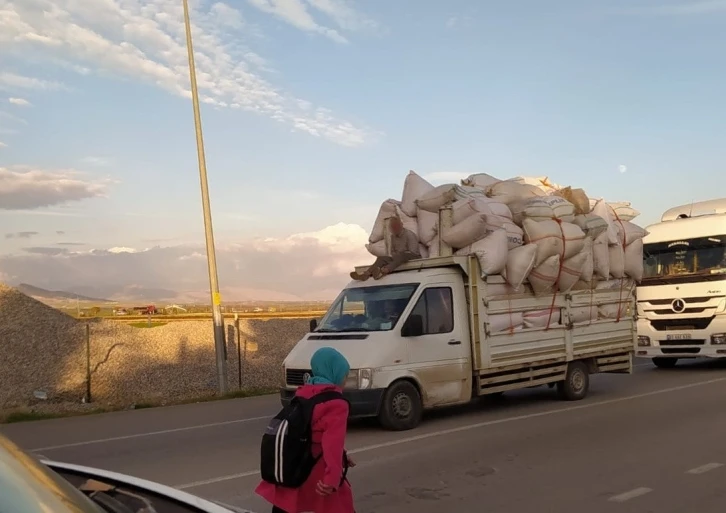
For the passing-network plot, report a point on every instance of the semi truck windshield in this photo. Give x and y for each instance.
(684, 260)
(376, 308)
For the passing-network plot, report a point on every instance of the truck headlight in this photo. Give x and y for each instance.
(643, 341)
(718, 339)
(359, 379)
(365, 378)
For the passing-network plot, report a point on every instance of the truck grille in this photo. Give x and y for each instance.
(686, 342)
(688, 300)
(296, 377)
(681, 324)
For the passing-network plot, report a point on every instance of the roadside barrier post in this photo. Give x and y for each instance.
(88, 363)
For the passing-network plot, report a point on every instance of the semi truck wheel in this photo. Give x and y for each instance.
(665, 363)
(576, 383)
(402, 408)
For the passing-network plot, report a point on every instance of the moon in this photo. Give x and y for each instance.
(622, 168)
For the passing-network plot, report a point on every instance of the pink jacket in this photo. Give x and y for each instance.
(330, 423)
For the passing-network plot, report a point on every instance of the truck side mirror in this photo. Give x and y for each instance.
(313, 324)
(413, 326)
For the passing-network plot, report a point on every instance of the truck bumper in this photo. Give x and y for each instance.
(681, 352)
(363, 403)
(687, 343)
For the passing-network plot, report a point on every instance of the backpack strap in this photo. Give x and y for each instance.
(321, 398)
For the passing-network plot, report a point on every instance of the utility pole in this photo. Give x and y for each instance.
(219, 335)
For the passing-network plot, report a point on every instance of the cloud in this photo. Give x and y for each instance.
(144, 40)
(3, 145)
(344, 15)
(296, 14)
(21, 235)
(41, 250)
(25, 188)
(622, 168)
(441, 177)
(11, 81)
(311, 265)
(21, 102)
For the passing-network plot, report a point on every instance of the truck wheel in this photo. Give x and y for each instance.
(665, 363)
(401, 409)
(576, 383)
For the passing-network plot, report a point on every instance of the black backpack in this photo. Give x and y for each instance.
(286, 457)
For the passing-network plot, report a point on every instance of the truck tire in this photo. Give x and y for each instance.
(576, 383)
(665, 363)
(402, 408)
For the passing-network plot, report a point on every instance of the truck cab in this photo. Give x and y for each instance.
(411, 328)
(682, 297)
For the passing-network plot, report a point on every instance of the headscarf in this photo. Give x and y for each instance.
(329, 367)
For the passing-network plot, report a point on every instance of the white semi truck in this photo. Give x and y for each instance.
(423, 337)
(682, 297)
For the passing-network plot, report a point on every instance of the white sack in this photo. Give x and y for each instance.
(588, 267)
(629, 232)
(634, 260)
(623, 211)
(413, 188)
(544, 276)
(623, 284)
(423, 250)
(491, 251)
(602, 209)
(377, 249)
(409, 223)
(553, 238)
(591, 224)
(570, 272)
(428, 225)
(480, 180)
(515, 235)
(505, 322)
(520, 262)
(505, 289)
(541, 318)
(613, 310)
(509, 190)
(601, 257)
(479, 205)
(388, 209)
(583, 314)
(446, 194)
(434, 248)
(616, 255)
(541, 182)
(583, 285)
(542, 209)
(577, 197)
(466, 232)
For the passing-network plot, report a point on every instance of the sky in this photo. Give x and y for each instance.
(313, 112)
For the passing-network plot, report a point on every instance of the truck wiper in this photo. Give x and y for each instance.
(103, 495)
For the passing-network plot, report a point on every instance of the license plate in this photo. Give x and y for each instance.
(682, 336)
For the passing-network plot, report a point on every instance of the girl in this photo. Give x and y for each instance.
(323, 491)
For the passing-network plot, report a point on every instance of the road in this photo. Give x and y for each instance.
(652, 441)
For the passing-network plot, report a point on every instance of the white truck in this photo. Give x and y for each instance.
(422, 338)
(682, 297)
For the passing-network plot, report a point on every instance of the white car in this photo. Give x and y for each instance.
(29, 485)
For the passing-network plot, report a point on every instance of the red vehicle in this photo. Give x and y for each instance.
(146, 310)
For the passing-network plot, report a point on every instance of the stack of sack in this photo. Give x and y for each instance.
(541, 237)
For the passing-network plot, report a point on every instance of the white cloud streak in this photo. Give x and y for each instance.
(20, 102)
(144, 40)
(12, 81)
(23, 188)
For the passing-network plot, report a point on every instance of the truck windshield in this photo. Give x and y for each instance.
(702, 258)
(376, 308)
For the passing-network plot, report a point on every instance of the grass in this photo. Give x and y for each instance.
(147, 324)
(31, 416)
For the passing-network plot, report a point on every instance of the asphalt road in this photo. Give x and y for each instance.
(648, 442)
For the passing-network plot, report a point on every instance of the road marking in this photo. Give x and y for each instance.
(150, 433)
(704, 468)
(478, 425)
(632, 494)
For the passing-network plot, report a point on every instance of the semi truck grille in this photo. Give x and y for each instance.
(681, 324)
(296, 377)
(688, 300)
(681, 350)
(686, 342)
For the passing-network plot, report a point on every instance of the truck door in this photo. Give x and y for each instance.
(441, 356)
